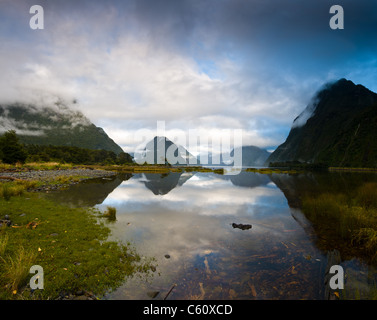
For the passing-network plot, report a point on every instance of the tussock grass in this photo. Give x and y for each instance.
(3, 244)
(367, 195)
(15, 188)
(351, 217)
(47, 165)
(16, 268)
(110, 213)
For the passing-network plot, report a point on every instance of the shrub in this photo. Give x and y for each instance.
(110, 213)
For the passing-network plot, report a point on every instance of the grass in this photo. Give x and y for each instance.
(352, 218)
(16, 268)
(15, 188)
(110, 213)
(36, 166)
(71, 244)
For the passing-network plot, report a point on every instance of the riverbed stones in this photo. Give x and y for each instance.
(46, 176)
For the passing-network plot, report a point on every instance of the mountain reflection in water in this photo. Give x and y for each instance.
(184, 220)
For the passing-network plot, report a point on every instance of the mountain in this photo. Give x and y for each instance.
(251, 157)
(337, 128)
(55, 124)
(161, 150)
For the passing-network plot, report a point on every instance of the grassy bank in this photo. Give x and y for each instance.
(36, 166)
(352, 217)
(70, 244)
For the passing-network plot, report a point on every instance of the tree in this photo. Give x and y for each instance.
(124, 158)
(11, 150)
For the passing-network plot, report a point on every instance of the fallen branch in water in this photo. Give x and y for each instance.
(171, 289)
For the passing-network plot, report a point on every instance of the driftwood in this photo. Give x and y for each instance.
(171, 289)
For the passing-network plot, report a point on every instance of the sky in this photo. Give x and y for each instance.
(205, 65)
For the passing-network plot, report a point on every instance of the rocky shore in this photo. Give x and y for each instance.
(46, 177)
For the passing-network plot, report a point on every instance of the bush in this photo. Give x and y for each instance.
(11, 150)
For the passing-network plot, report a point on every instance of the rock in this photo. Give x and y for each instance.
(167, 256)
(241, 226)
(5, 222)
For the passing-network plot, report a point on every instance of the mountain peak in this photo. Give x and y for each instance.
(335, 128)
(54, 124)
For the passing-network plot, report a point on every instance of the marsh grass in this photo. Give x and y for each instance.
(15, 188)
(16, 268)
(67, 179)
(47, 165)
(351, 217)
(110, 213)
(3, 244)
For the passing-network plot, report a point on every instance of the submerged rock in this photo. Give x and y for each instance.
(241, 226)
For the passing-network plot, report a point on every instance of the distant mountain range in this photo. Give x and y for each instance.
(56, 125)
(161, 150)
(252, 156)
(337, 128)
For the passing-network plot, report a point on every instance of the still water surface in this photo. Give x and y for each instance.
(184, 221)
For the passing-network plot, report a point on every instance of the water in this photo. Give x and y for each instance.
(184, 221)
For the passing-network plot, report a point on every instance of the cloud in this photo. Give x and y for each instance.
(210, 64)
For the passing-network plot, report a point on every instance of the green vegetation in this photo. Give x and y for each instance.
(110, 213)
(15, 188)
(351, 217)
(12, 152)
(71, 245)
(57, 125)
(74, 155)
